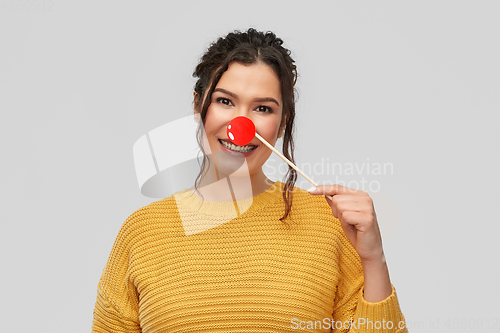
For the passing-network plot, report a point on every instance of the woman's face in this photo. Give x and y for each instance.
(252, 91)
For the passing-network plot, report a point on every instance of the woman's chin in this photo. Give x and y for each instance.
(230, 164)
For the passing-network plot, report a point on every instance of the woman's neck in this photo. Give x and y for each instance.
(219, 187)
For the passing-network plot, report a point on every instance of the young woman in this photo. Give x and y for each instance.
(239, 252)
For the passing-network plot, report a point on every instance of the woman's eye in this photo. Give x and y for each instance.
(264, 108)
(224, 101)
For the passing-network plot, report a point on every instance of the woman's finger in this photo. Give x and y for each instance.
(335, 190)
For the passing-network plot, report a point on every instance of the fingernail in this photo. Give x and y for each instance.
(312, 189)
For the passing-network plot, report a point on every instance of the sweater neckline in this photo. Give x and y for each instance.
(187, 200)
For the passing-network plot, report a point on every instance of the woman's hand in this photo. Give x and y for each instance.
(357, 215)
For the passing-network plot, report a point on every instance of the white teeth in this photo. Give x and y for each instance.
(242, 149)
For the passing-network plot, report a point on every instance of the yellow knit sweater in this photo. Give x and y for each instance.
(182, 264)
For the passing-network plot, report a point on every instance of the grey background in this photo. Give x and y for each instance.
(413, 84)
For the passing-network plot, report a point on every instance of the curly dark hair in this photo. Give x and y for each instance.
(250, 47)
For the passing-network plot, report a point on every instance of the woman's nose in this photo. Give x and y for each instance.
(240, 112)
(241, 130)
(244, 111)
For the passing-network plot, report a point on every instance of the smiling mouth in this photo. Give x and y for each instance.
(233, 147)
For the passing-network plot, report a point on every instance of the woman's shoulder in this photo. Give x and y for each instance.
(303, 200)
(312, 215)
(150, 216)
(154, 208)
(308, 208)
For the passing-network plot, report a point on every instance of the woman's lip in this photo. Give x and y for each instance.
(229, 141)
(235, 152)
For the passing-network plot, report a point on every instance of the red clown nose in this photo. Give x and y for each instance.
(241, 130)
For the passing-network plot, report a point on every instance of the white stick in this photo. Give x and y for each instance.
(287, 161)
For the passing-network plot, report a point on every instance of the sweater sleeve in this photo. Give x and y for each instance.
(352, 313)
(117, 305)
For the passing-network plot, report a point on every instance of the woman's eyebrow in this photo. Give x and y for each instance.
(263, 99)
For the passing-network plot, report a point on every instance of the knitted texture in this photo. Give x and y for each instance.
(250, 273)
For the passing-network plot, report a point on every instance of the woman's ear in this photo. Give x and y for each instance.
(194, 101)
(282, 129)
(197, 117)
(196, 109)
